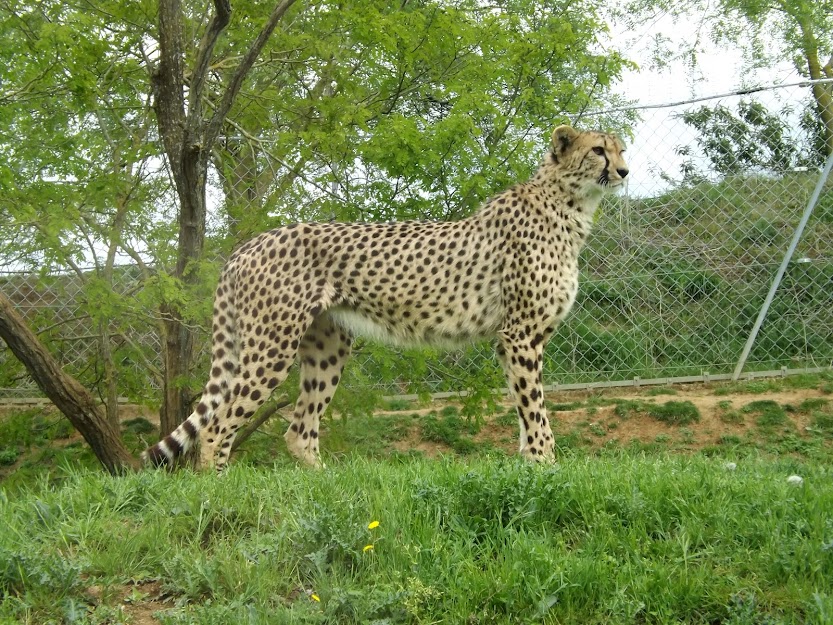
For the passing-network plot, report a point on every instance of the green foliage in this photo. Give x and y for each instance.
(706, 301)
(413, 111)
(509, 418)
(761, 232)
(555, 407)
(813, 403)
(397, 405)
(660, 390)
(48, 573)
(824, 208)
(593, 348)
(8, 456)
(139, 425)
(753, 140)
(372, 436)
(671, 412)
(728, 415)
(33, 427)
(768, 33)
(689, 282)
(625, 407)
(823, 422)
(449, 429)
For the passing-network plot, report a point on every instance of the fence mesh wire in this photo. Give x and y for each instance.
(673, 276)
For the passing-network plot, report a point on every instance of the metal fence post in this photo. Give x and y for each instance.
(783, 268)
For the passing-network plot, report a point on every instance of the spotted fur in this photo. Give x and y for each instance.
(303, 291)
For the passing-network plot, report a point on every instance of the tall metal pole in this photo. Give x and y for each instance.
(783, 268)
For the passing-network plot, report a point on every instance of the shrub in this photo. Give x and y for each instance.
(448, 429)
(8, 456)
(686, 280)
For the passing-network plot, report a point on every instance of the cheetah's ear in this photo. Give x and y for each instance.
(563, 137)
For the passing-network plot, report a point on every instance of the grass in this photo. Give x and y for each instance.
(450, 429)
(670, 412)
(763, 385)
(733, 417)
(618, 532)
(675, 412)
(621, 531)
(769, 413)
(615, 539)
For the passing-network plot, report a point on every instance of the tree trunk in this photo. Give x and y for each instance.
(189, 135)
(179, 337)
(72, 399)
(824, 100)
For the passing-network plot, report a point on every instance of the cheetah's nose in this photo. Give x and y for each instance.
(622, 172)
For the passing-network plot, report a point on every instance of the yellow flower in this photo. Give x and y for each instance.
(373, 525)
(315, 597)
(367, 548)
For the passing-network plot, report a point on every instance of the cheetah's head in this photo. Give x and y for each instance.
(594, 159)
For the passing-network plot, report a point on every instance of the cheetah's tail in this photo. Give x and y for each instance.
(225, 363)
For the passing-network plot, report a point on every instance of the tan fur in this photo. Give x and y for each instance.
(510, 272)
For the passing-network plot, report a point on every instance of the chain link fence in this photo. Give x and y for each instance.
(674, 276)
(57, 309)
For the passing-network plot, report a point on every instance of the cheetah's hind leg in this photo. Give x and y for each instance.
(324, 350)
(261, 371)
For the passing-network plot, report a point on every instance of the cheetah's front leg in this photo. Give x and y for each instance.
(522, 360)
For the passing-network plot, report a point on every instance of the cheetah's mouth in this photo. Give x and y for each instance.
(605, 181)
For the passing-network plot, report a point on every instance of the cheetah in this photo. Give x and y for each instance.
(509, 271)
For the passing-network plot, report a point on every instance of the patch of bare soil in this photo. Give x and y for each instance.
(594, 421)
(597, 424)
(711, 427)
(138, 602)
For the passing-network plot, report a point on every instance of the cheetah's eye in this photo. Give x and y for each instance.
(599, 151)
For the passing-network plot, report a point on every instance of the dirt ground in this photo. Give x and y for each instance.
(599, 425)
(708, 430)
(594, 420)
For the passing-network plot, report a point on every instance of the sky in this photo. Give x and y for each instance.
(719, 71)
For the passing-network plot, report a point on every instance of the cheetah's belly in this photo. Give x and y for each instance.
(360, 325)
(453, 333)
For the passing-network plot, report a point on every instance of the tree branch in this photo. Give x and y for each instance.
(219, 21)
(236, 82)
(263, 414)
